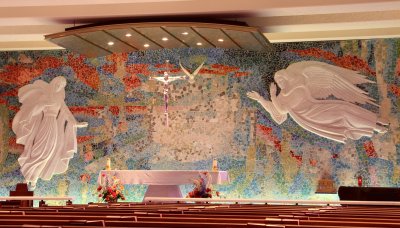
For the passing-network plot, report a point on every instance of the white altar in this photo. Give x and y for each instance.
(163, 183)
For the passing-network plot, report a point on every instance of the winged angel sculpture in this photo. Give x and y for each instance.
(47, 128)
(306, 91)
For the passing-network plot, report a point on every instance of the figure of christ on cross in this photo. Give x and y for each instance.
(166, 80)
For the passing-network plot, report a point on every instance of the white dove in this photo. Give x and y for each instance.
(191, 76)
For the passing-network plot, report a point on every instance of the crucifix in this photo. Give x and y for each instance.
(166, 80)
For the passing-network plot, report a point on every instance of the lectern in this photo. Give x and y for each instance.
(22, 190)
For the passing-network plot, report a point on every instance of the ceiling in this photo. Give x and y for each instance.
(102, 40)
(24, 23)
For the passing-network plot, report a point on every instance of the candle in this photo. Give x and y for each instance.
(108, 165)
(215, 165)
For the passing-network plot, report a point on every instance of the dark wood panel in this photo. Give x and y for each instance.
(101, 39)
(369, 193)
(92, 41)
(135, 39)
(81, 46)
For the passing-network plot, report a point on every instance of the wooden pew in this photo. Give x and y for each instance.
(41, 198)
(211, 215)
(99, 223)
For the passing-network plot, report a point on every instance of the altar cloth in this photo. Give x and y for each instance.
(162, 183)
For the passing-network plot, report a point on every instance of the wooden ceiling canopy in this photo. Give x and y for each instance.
(95, 41)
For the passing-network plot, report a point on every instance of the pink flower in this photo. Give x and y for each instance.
(111, 190)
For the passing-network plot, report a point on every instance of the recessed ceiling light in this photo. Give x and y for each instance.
(220, 40)
(199, 44)
(146, 45)
(128, 35)
(110, 43)
(164, 38)
(185, 33)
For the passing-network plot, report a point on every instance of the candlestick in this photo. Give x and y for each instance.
(108, 165)
(215, 165)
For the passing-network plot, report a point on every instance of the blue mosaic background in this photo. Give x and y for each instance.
(211, 118)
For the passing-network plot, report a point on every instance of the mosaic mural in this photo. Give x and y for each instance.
(209, 117)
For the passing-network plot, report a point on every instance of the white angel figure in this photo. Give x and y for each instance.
(305, 89)
(47, 128)
(191, 75)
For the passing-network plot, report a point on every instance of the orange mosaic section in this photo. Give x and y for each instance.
(114, 110)
(81, 139)
(241, 74)
(370, 149)
(87, 110)
(166, 67)
(170, 71)
(13, 108)
(114, 59)
(298, 158)
(94, 110)
(12, 143)
(135, 109)
(138, 69)
(117, 57)
(21, 74)
(111, 68)
(266, 133)
(10, 93)
(225, 68)
(131, 82)
(212, 71)
(84, 72)
(398, 67)
(395, 90)
(347, 61)
(313, 162)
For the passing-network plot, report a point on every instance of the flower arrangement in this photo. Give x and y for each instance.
(112, 189)
(202, 187)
